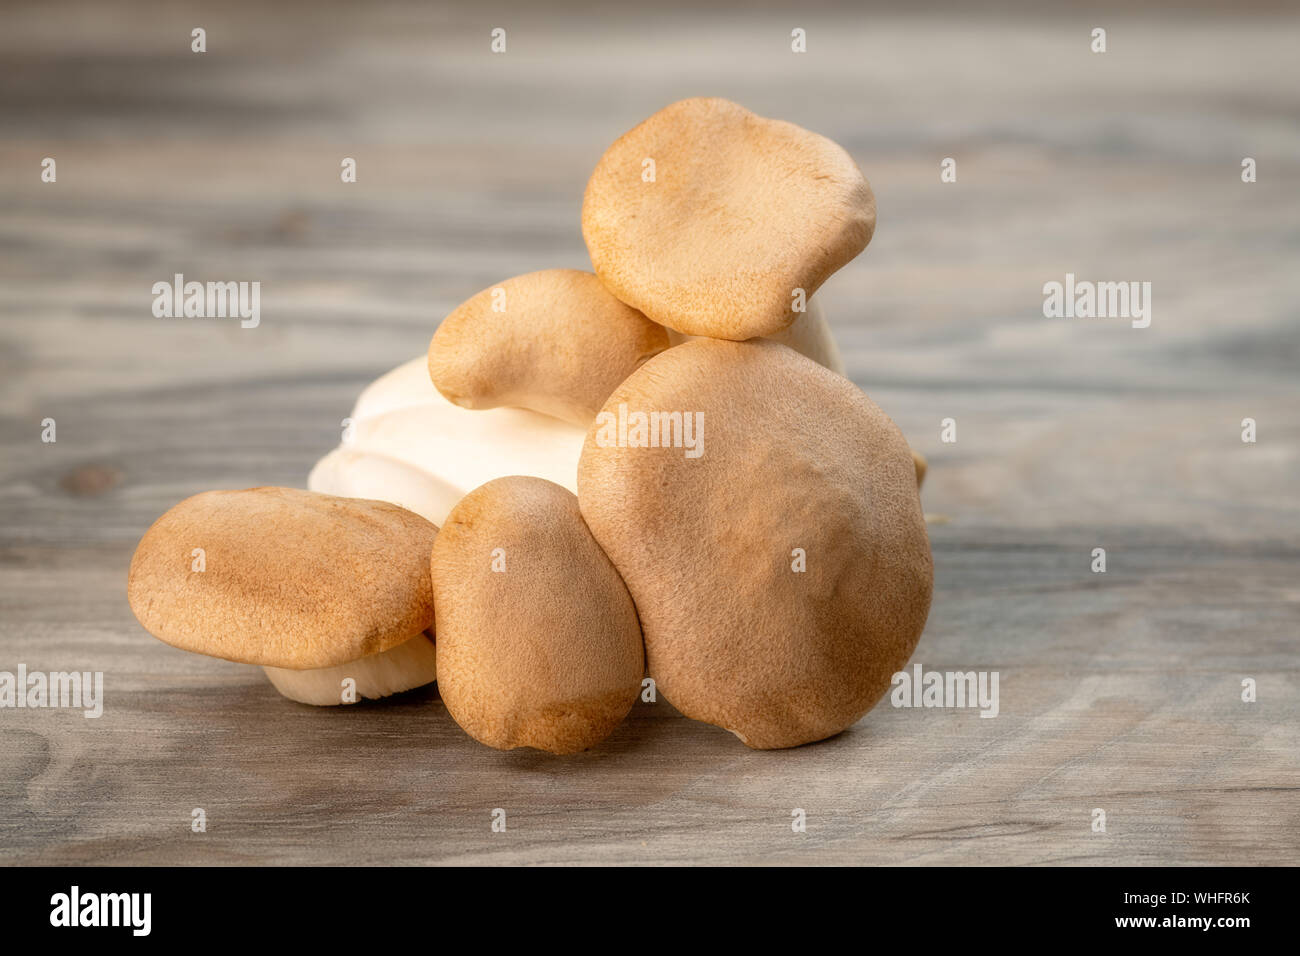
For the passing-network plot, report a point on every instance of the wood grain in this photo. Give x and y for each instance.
(1119, 691)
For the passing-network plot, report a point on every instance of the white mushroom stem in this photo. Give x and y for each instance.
(404, 667)
(810, 335)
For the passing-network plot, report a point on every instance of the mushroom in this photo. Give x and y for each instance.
(714, 221)
(313, 588)
(809, 334)
(781, 569)
(554, 341)
(410, 446)
(538, 641)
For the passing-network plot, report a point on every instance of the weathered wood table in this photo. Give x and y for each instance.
(1119, 691)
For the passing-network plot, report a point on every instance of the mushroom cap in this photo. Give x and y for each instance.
(292, 578)
(743, 211)
(560, 346)
(793, 457)
(547, 652)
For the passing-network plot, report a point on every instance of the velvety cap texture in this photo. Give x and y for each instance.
(554, 341)
(781, 570)
(289, 578)
(741, 211)
(538, 641)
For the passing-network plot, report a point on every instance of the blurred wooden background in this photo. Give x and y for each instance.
(1119, 691)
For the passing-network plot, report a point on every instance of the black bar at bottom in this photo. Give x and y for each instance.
(331, 906)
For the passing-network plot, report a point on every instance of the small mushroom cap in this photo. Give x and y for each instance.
(545, 651)
(558, 343)
(783, 575)
(742, 211)
(289, 578)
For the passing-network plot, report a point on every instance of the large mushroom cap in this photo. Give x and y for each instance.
(797, 468)
(538, 642)
(554, 341)
(741, 211)
(289, 578)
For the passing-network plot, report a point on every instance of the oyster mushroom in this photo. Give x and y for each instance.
(313, 588)
(554, 341)
(783, 574)
(743, 218)
(538, 640)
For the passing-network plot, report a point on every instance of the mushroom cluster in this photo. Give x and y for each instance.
(653, 478)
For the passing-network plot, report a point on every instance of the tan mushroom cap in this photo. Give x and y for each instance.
(291, 579)
(742, 211)
(793, 457)
(547, 652)
(559, 344)
(810, 335)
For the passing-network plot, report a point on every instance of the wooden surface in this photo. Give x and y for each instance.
(1118, 691)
